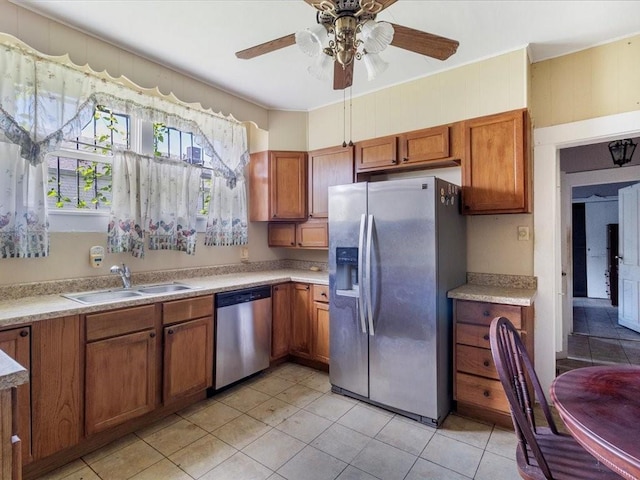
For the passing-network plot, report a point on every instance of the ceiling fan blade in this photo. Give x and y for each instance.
(342, 77)
(386, 3)
(423, 43)
(267, 47)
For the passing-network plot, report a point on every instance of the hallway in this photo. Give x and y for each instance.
(597, 338)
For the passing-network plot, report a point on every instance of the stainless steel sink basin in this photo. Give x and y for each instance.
(165, 288)
(105, 296)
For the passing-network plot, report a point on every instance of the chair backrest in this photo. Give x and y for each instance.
(517, 376)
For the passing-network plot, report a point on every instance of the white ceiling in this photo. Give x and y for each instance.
(199, 38)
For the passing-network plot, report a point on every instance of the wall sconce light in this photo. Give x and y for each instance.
(622, 151)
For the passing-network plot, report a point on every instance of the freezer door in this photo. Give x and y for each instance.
(348, 344)
(403, 347)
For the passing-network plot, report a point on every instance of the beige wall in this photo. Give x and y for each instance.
(600, 81)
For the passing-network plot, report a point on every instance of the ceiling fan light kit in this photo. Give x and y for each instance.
(342, 21)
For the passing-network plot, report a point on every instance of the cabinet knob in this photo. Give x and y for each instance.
(293, 244)
(152, 334)
(486, 337)
(486, 363)
(311, 215)
(24, 333)
(276, 288)
(486, 313)
(405, 159)
(299, 244)
(307, 287)
(486, 393)
(170, 332)
(393, 162)
(322, 294)
(274, 216)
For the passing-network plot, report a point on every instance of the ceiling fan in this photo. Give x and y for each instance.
(335, 39)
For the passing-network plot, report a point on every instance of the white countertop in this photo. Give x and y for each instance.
(31, 309)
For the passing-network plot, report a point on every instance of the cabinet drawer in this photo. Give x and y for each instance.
(181, 310)
(474, 360)
(474, 335)
(321, 293)
(481, 391)
(482, 313)
(119, 322)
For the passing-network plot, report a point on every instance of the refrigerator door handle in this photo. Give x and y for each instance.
(363, 323)
(368, 276)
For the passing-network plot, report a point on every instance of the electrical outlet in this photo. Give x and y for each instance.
(244, 254)
(523, 233)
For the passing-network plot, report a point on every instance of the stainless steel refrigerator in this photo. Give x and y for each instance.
(395, 248)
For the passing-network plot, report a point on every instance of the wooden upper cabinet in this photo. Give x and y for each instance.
(282, 234)
(424, 145)
(312, 234)
(496, 176)
(377, 153)
(327, 167)
(278, 186)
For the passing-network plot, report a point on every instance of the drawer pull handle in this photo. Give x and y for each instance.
(486, 313)
(486, 393)
(486, 337)
(486, 363)
(322, 294)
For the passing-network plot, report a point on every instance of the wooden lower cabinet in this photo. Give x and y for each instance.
(188, 347)
(56, 382)
(120, 371)
(281, 296)
(477, 389)
(300, 320)
(309, 307)
(16, 343)
(320, 323)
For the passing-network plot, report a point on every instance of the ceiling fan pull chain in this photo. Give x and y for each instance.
(344, 118)
(350, 116)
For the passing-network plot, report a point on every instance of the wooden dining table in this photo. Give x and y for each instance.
(600, 407)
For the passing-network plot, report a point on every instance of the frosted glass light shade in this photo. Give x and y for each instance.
(311, 40)
(375, 65)
(321, 68)
(376, 36)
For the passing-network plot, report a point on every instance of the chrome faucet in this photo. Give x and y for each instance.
(125, 274)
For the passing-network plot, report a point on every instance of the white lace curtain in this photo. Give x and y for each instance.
(44, 100)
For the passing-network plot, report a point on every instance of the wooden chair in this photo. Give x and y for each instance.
(542, 452)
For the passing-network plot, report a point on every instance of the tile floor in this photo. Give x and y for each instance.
(286, 424)
(597, 338)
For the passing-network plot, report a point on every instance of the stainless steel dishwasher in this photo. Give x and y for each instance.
(243, 334)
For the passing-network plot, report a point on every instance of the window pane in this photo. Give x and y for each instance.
(78, 184)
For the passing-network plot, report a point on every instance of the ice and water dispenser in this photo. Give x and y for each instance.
(347, 271)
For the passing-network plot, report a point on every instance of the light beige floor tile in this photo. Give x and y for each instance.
(174, 437)
(112, 447)
(494, 466)
(312, 464)
(304, 426)
(330, 406)
(352, 473)
(294, 372)
(453, 454)
(127, 461)
(299, 395)
(272, 385)
(341, 442)
(275, 476)
(384, 461)
(241, 431)
(84, 473)
(466, 430)
(214, 416)
(274, 448)
(406, 435)
(245, 399)
(273, 411)
(318, 381)
(159, 425)
(202, 455)
(423, 469)
(196, 407)
(238, 467)
(65, 471)
(503, 442)
(164, 470)
(364, 420)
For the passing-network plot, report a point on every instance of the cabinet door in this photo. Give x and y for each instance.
(288, 185)
(424, 145)
(377, 153)
(300, 320)
(188, 358)
(320, 320)
(313, 234)
(327, 167)
(282, 234)
(56, 377)
(120, 380)
(496, 168)
(281, 320)
(16, 343)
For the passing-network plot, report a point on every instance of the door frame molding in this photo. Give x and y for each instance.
(549, 239)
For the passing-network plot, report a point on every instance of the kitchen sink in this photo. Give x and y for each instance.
(105, 296)
(128, 293)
